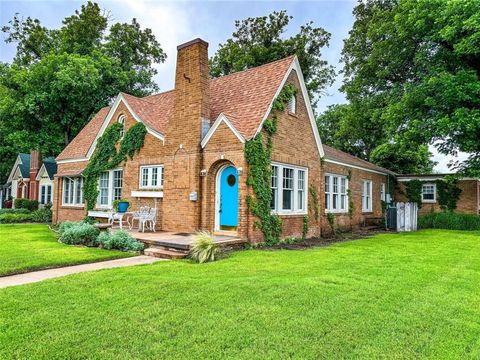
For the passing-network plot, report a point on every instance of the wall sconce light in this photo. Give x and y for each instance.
(203, 172)
(240, 171)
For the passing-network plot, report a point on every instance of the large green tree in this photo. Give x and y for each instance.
(59, 78)
(259, 40)
(413, 67)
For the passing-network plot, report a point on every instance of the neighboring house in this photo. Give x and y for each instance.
(469, 201)
(31, 178)
(192, 166)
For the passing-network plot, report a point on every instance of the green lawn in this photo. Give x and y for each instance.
(32, 247)
(391, 296)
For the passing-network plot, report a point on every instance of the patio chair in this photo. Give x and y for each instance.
(137, 215)
(148, 219)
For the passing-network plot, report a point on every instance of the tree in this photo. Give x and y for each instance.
(414, 67)
(61, 77)
(259, 40)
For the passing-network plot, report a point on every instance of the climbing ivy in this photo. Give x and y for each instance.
(315, 202)
(448, 193)
(305, 227)
(109, 155)
(351, 203)
(258, 153)
(413, 191)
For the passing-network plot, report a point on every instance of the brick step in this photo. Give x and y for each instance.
(164, 253)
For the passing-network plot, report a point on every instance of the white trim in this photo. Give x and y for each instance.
(428, 201)
(147, 194)
(109, 117)
(431, 178)
(68, 161)
(160, 176)
(356, 167)
(296, 66)
(340, 194)
(14, 168)
(74, 180)
(221, 118)
(370, 196)
(279, 199)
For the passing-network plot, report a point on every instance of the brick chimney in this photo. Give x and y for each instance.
(35, 164)
(183, 137)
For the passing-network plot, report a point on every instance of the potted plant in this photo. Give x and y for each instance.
(121, 205)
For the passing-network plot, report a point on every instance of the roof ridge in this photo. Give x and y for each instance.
(253, 68)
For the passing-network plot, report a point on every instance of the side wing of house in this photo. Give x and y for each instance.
(138, 180)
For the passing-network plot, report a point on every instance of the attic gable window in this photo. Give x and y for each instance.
(121, 120)
(292, 105)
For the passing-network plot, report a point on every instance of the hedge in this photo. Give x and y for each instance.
(449, 220)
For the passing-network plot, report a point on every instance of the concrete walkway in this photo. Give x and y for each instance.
(41, 275)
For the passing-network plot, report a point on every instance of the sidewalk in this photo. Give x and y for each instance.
(41, 275)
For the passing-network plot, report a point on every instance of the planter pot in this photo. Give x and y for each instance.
(122, 207)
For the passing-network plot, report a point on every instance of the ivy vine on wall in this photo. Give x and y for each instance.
(448, 193)
(258, 153)
(108, 156)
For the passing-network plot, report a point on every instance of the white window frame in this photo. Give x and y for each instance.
(44, 194)
(367, 207)
(292, 105)
(74, 189)
(149, 168)
(296, 210)
(383, 193)
(329, 191)
(121, 120)
(434, 186)
(110, 194)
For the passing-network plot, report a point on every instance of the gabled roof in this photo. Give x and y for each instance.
(79, 146)
(244, 98)
(24, 165)
(50, 166)
(337, 156)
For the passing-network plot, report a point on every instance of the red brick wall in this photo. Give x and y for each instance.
(343, 220)
(467, 203)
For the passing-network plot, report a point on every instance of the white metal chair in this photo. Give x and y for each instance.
(116, 217)
(137, 215)
(148, 219)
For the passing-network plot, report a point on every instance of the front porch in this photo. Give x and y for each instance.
(175, 245)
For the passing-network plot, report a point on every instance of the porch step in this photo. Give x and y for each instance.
(163, 253)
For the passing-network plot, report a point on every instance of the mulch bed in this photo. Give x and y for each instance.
(315, 242)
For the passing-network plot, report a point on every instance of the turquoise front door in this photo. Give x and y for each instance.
(228, 209)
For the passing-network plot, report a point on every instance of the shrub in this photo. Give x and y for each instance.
(449, 220)
(119, 240)
(42, 215)
(11, 218)
(14, 211)
(203, 248)
(26, 204)
(79, 234)
(64, 226)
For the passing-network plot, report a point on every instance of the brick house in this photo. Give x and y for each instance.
(192, 167)
(469, 201)
(31, 178)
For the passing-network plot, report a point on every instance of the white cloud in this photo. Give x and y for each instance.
(443, 160)
(171, 26)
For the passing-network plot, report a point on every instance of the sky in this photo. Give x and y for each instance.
(175, 22)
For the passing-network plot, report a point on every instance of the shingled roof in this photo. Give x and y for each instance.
(345, 158)
(244, 97)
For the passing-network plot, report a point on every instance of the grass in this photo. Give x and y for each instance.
(26, 248)
(391, 296)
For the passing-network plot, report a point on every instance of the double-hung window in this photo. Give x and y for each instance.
(45, 194)
(382, 192)
(109, 187)
(288, 184)
(336, 187)
(367, 196)
(428, 193)
(151, 177)
(72, 191)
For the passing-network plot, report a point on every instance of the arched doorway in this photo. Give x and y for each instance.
(226, 213)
